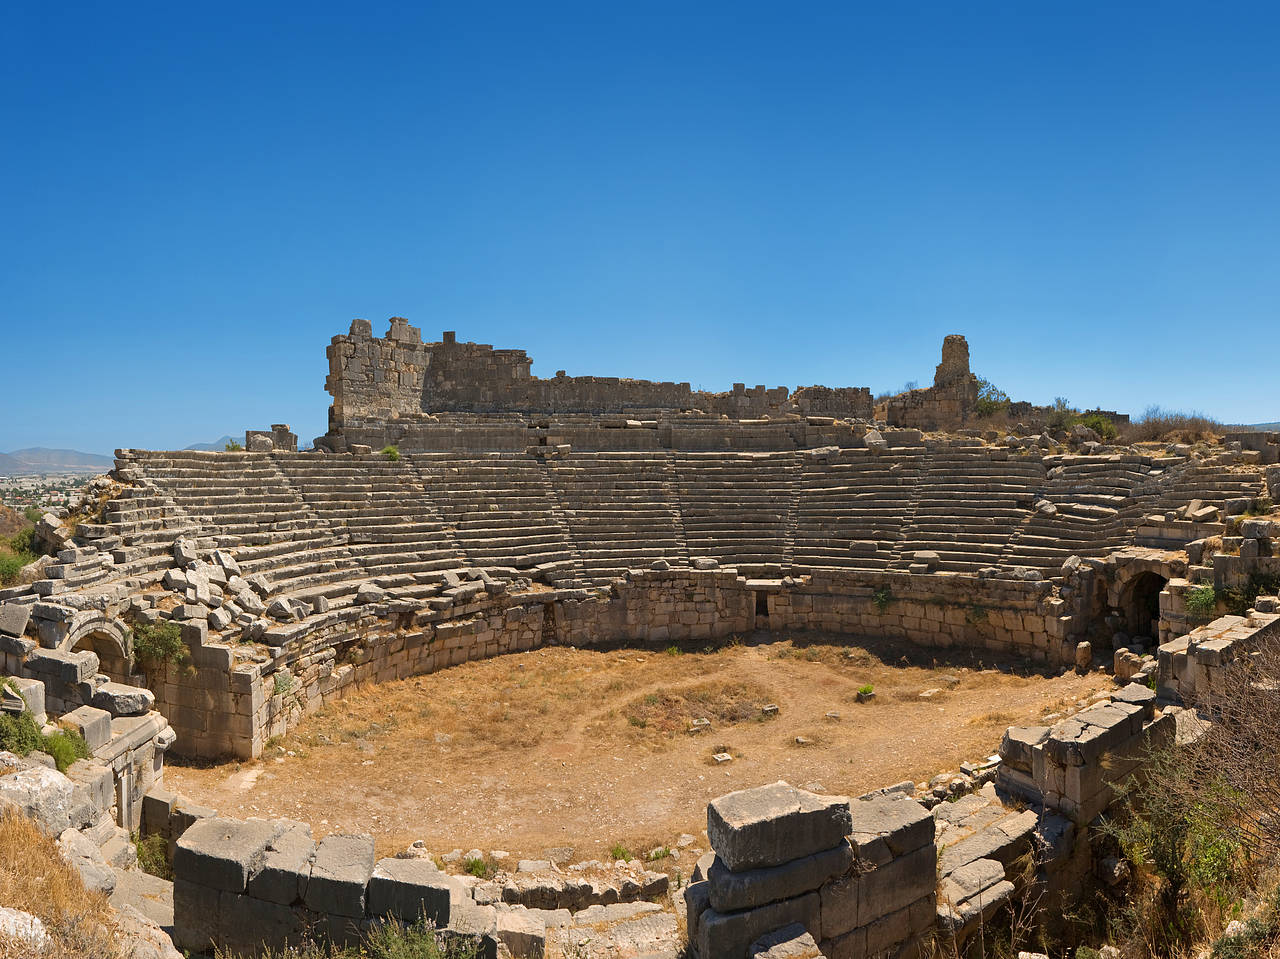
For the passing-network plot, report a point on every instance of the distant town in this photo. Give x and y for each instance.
(44, 491)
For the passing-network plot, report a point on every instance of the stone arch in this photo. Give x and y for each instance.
(1139, 604)
(108, 639)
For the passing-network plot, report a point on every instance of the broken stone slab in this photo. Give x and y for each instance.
(41, 794)
(888, 825)
(92, 723)
(184, 552)
(84, 856)
(282, 875)
(731, 891)
(522, 931)
(340, 874)
(222, 853)
(410, 890)
(772, 825)
(789, 942)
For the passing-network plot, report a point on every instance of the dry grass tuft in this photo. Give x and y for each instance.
(35, 879)
(672, 711)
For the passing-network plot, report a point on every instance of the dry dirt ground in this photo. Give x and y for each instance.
(564, 747)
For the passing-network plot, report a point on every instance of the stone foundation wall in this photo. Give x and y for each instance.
(224, 706)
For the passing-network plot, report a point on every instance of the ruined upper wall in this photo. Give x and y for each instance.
(948, 403)
(398, 375)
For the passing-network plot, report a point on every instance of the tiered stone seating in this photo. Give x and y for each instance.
(620, 510)
(1212, 484)
(391, 525)
(737, 508)
(1095, 500)
(850, 507)
(501, 510)
(970, 502)
(243, 501)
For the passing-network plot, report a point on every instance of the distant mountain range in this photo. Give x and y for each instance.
(1265, 426)
(217, 445)
(37, 459)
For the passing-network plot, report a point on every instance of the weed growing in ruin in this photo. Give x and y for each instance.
(674, 651)
(21, 736)
(231, 446)
(1201, 602)
(479, 867)
(882, 597)
(866, 690)
(16, 552)
(661, 852)
(620, 852)
(391, 452)
(157, 646)
(153, 855)
(1239, 599)
(284, 683)
(65, 746)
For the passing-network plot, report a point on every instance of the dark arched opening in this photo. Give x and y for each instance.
(112, 660)
(1142, 607)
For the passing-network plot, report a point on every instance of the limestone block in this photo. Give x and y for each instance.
(246, 924)
(222, 853)
(93, 723)
(757, 887)
(121, 700)
(729, 935)
(884, 826)
(789, 942)
(282, 875)
(410, 889)
(14, 618)
(339, 875)
(41, 794)
(196, 909)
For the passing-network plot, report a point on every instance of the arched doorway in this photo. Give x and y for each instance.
(1141, 604)
(113, 661)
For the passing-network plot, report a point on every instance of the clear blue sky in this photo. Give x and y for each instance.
(197, 196)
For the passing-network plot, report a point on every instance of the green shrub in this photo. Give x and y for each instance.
(284, 683)
(1202, 601)
(24, 541)
(10, 566)
(65, 746)
(991, 400)
(153, 855)
(1101, 425)
(231, 446)
(19, 734)
(156, 646)
(867, 690)
(391, 452)
(479, 867)
(32, 514)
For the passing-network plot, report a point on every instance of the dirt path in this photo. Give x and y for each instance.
(564, 747)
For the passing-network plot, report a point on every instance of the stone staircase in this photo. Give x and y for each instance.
(735, 507)
(500, 509)
(850, 507)
(620, 511)
(970, 501)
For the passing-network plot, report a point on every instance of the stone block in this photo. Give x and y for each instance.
(339, 875)
(121, 700)
(409, 890)
(729, 935)
(771, 825)
(730, 891)
(90, 722)
(789, 942)
(196, 910)
(894, 823)
(14, 618)
(222, 853)
(282, 875)
(247, 926)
